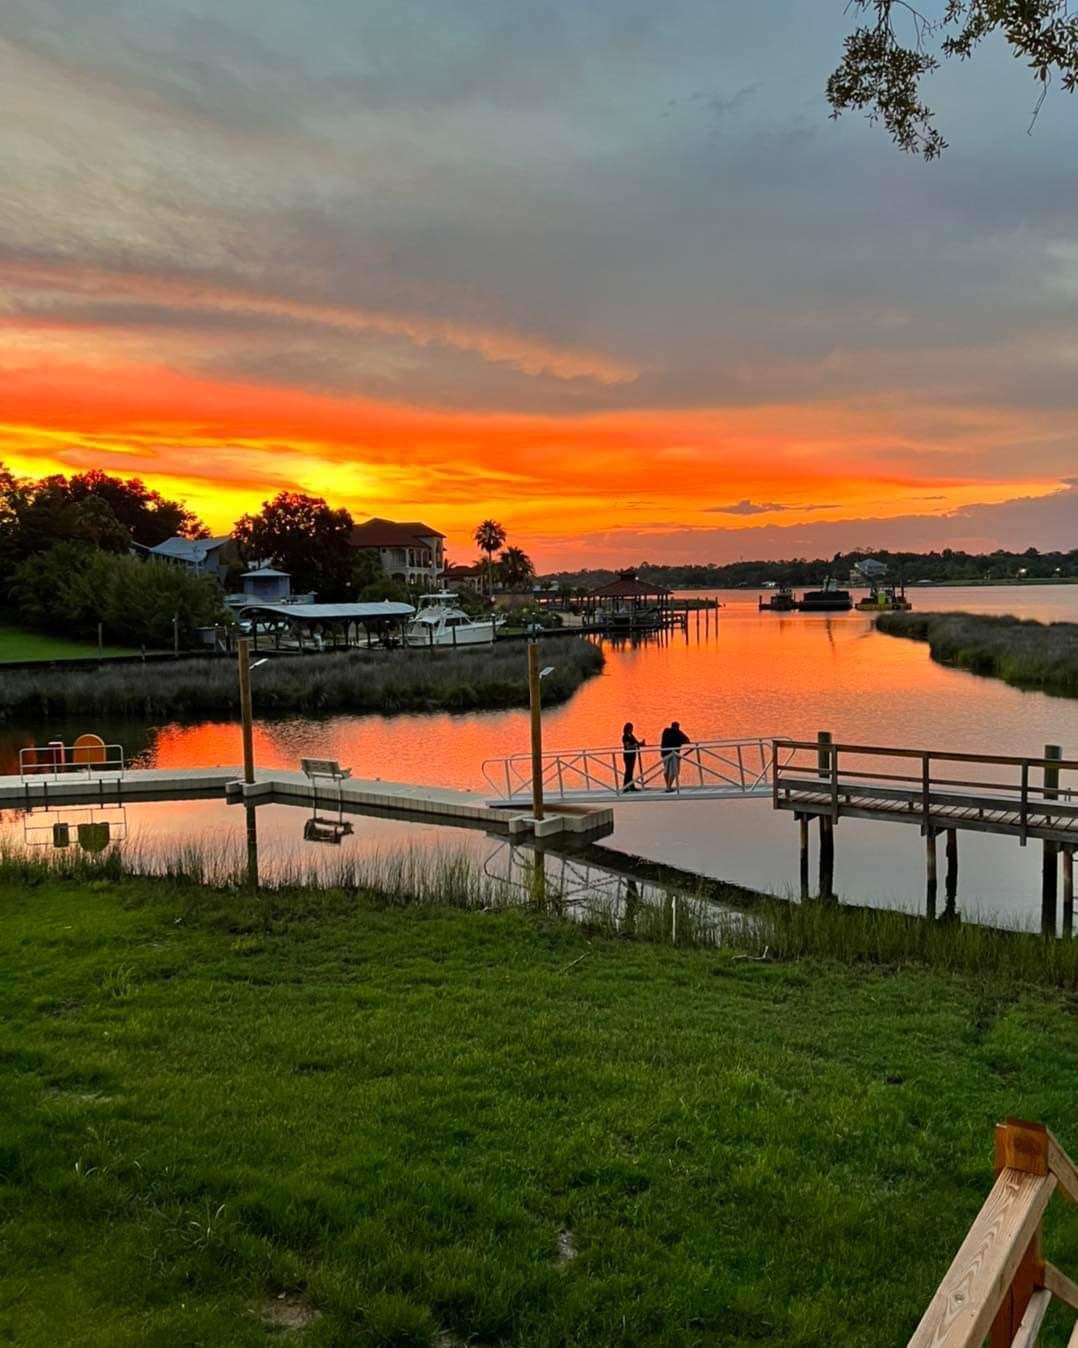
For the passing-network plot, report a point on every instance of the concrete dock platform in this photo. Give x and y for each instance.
(429, 804)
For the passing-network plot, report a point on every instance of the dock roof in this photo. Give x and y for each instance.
(314, 613)
(628, 586)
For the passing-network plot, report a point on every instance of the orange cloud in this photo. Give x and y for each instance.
(226, 445)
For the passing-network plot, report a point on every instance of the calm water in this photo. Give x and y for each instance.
(738, 673)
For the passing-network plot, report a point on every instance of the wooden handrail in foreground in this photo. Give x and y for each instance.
(999, 1286)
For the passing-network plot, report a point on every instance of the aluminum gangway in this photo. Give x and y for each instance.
(721, 769)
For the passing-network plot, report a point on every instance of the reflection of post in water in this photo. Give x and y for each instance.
(251, 812)
(632, 907)
(535, 879)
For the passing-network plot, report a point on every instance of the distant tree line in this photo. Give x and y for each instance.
(948, 565)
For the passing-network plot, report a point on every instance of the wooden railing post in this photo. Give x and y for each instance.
(926, 800)
(1020, 1146)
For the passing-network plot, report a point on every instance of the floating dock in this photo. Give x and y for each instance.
(428, 804)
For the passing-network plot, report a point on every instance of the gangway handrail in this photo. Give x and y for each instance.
(999, 1283)
(721, 765)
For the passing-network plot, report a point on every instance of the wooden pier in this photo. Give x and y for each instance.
(939, 793)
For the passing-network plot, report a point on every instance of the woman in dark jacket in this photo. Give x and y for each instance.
(630, 746)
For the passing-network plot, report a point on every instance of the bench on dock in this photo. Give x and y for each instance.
(327, 769)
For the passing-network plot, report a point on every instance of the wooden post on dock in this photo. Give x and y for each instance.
(950, 884)
(930, 871)
(535, 694)
(803, 822)
(827, 825)
(243, 646)
(1067, 858)
(1050, 850)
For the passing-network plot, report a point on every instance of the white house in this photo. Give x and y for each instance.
(867, 571)
(411, 552)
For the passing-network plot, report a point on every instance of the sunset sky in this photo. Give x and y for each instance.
(603, 270)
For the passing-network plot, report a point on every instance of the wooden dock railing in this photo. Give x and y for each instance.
(999, 1285)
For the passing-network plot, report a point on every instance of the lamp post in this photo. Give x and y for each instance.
(243, 647)
(535, 703)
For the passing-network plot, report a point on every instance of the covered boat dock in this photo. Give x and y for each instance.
(316, 626)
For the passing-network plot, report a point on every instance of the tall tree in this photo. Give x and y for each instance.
(305, 537)
(147, 516)
(515, 568)
(489, 537)
(887, 56)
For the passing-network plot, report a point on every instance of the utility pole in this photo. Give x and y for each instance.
(535, 702)
(244, 648)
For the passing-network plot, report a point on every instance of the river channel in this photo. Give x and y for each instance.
(734, 673)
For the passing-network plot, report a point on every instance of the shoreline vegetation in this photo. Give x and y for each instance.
(1021, 652)
(489, 678)
(710, 914)
(400, 1113)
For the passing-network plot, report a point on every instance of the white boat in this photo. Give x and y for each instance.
(440, 621)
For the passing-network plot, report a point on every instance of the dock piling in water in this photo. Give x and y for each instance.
(950, 884)
(1050, 850)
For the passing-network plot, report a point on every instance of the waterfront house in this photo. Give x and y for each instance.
(472, 577)
(868, 571)
(410, 552)
(201, 556)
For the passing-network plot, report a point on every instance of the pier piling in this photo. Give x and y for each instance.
(930, 872)
(826, 858)
(1050, 850)
(827, 826)
(950, 884)
(1067, 858)
(803, 823)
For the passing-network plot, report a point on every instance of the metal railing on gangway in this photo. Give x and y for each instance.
(735, 768)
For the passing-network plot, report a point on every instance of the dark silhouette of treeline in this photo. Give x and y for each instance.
(908, 567)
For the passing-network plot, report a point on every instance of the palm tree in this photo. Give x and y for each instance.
(515, 568)
(489, 537)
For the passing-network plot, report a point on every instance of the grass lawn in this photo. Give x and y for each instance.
(413, 1126)
(18, 644)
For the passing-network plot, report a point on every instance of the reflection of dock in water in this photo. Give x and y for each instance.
(580, 889)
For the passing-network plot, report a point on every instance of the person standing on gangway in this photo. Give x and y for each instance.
(673, 738)
(630, 752)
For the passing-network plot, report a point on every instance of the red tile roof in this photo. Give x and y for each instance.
(379, 533)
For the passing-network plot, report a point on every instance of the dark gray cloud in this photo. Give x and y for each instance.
(747, 507)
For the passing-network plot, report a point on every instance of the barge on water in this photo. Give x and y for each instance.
(781, 601)
(884, 599)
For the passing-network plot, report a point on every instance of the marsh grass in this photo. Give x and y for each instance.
(354, 681)
(1023, 653)
(687, 916)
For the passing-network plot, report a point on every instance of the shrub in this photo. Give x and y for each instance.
(72, 588)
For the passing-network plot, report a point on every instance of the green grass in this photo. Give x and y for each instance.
(214, 1103)
(1023, 653)
(17, 643)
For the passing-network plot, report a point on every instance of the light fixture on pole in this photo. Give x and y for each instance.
(535, 702)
